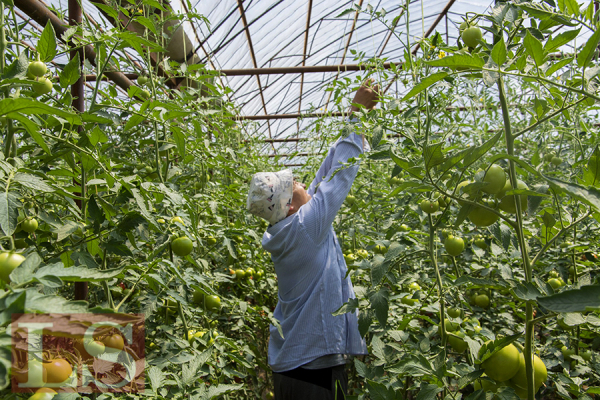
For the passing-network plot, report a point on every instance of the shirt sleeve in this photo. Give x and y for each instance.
(325, 166)
(318, 214)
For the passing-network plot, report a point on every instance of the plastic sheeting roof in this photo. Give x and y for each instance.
(277, 32)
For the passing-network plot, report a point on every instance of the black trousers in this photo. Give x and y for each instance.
(311, 384)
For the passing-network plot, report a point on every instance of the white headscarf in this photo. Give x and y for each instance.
(270, 195)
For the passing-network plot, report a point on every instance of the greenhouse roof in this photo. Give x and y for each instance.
(327, 36)
(277, 33)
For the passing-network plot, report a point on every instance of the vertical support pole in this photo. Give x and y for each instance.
(75, 17)
(447, 37)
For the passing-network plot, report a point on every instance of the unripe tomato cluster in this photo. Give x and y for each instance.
(37, 71)
(507, 368)
(496, 185)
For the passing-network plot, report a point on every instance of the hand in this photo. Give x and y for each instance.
(367, 96)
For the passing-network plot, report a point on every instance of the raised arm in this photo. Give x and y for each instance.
(318, 214)
(366, 96)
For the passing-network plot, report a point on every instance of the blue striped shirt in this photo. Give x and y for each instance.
(310, 269)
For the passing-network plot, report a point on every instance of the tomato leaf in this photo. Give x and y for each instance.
(378, 269)
(24, 271)
(408, 166)
(460, 60)
(586, 54)
(424, 84)
(583, 299)
(53, 303)
(591, 174)
(589, 196)
(348, 307)
(33, 182)
(14, 303)
(502, 233)
(71, 73)
(560, 40)
(534, 48)
(506, 393)
(432, 154)
(18, 69)
(499, 52)
(30, 107)
(379, 302)
(32, 129)
(230, 245)
(9, 211)
(495, 284)
(475, 153)
(46, 46)
(428, 391)
(526, 292)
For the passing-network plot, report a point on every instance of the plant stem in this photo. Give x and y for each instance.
(529, 327)
(438, 278)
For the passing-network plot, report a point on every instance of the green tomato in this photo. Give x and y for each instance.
(212, 303)
(567, 353)
(454, 312)
(144, 94)
(43, 394)
(182, 246)
(409, 301)
(482, 300)
(504, 364)
(471, 36)
(457, 343)
(37, 69)
(586, 355)
(94, 348)
(29, 225)
(507, 204)
(482, 217)
(449, 325)
(480, 243)
(240, 274)
(454, 245)
(350, 199)
(554, 282)
(429, 206)
(540, 374)
(380, 249)
(404, 228)
(460, 194)
(350, 258)
(34, 374)
(142, 80)
(556, 161)
(495, 177)
(8, 262)
(42, 86)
